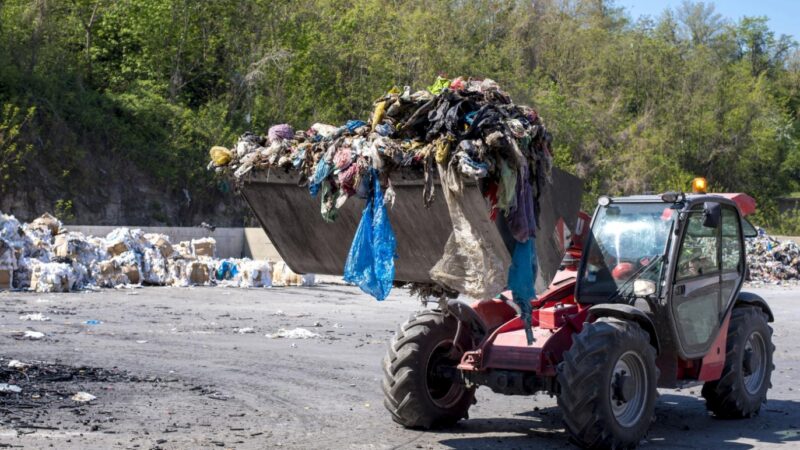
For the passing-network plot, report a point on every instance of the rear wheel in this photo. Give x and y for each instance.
(746, 377)
(608, 384)
(421, 385)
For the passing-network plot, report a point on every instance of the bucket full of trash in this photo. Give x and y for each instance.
(440, 185)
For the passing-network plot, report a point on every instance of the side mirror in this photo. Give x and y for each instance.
(712, 212)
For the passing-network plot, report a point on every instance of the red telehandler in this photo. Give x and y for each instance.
(648, 297)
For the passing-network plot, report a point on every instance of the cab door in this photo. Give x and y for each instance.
(697, 304)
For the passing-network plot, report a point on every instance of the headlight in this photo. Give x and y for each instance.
(643, 288)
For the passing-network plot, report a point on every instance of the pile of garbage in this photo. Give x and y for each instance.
(770, 260)
(457, 129)
(44, 256)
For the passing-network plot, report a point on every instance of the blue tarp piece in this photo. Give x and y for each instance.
(227, 270)
(353, 125)
(521, 278)
(370, 263)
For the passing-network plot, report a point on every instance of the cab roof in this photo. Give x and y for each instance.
(745, 203)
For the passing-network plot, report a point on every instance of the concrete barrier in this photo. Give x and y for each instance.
(231, 242)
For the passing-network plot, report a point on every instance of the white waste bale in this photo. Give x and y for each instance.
(255, 273)
(52, 277)
(155, 268)
(177, 272)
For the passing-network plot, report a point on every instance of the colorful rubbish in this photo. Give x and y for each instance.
(770, 260)
(469, 128)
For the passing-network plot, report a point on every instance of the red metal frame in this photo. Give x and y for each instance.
(556, 317)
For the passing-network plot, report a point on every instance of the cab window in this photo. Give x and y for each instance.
(698, 254)
(731, 241)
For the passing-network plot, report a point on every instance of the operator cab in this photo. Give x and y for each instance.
(681, 255)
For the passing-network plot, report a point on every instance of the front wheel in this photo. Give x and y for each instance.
(746, 377)
(421, 385)
(608, 384)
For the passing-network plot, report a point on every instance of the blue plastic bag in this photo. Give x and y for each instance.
(370, 263)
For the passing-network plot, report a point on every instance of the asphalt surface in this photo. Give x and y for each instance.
(170, 369)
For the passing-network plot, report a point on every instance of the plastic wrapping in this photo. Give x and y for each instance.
(370, 263)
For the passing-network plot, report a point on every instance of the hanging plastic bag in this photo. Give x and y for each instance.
(521, 278)
(370, 263)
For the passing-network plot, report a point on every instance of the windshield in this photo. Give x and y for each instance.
(625, 242)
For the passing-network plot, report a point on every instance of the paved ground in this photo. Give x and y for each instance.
(170, 370)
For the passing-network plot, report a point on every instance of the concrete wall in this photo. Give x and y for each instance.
(231, 242)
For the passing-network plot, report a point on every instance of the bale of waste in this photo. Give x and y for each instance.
(282, 275)
(52, 277)
(198, 273)
(256, 274)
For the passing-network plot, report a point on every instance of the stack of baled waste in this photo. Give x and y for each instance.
(458, 130)
(45, 257)
(773, 261)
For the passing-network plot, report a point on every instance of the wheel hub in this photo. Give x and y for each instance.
(747, 362)
(624, 387)
(628, 389)
(443, 388)
(754, 362)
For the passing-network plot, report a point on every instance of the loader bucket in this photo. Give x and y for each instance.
(291, 218)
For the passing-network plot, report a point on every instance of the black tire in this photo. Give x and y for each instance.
(602, 408)
(415, 393)
(736, 394)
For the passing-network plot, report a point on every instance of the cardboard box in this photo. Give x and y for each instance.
(164, 247)
(204, 248)
(6, 279)
(107, 268)
(117, 248)
(132, 272)
(198, 272)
